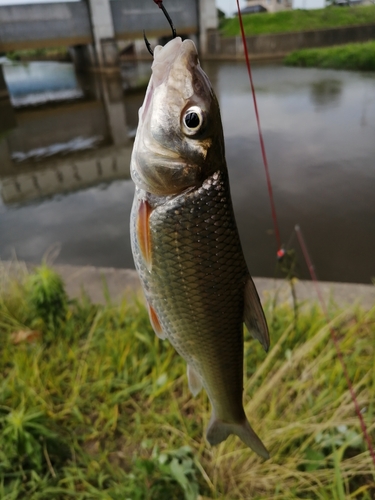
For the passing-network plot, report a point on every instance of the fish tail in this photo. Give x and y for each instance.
(218, 431)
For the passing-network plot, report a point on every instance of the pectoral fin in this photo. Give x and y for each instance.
(194, 381)
(143, 231)
(254, 316)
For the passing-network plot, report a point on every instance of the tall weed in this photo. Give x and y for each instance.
(97, 407)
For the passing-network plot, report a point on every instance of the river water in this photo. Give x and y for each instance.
(64, 166)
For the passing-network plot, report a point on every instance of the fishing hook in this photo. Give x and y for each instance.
(161, 6)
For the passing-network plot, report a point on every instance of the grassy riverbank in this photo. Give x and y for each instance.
(94, 406)
(300, 20)
(54, 53)
(356, 56)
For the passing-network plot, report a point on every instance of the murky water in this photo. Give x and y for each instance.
(64, 168)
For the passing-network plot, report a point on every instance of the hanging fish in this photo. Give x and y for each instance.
(185, 240)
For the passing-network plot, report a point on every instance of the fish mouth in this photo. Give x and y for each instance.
(172, 56)
(164, 58)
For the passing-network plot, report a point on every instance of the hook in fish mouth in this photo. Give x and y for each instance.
(161, 6)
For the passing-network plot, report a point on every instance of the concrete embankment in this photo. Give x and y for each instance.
(122, 283)
(277, 45)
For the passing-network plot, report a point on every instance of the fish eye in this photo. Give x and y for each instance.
(193, 120)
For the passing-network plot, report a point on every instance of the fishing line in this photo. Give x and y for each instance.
(280, 250)
(159, 3)
(335, 340)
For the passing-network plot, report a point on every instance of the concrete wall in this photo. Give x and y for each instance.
(130, 18)
(44, 25)
(268, 46)
(99, 24)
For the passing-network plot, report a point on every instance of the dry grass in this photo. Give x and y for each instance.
(98, 408)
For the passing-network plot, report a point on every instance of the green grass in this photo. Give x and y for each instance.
(41, 53)
(357, 56)
(300, 20)
(94, 406)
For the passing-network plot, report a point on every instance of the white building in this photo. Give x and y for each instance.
(309, 4)
(253, 6)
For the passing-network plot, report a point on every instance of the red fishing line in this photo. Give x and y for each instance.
(280, 251)
(335, 340)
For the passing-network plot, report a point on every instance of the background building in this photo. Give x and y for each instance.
(253, 6)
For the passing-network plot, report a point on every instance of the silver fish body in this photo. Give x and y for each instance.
(185, 241)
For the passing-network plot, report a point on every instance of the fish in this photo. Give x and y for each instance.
(185, 241)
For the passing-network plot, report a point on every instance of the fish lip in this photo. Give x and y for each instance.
(164, 60)
(176, 51)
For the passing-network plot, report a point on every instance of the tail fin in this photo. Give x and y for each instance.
(218, 431)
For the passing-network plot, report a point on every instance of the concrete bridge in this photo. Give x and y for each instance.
(93, 27)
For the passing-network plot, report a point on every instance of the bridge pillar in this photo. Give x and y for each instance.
(103, 53)
(104, 33)
(83, 57)
(113, 98)
(7, 122)
(208, 20)
(8, 119)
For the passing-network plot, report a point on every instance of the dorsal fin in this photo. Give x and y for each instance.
(254, 318)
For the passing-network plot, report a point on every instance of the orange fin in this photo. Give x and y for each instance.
(156, 323)
(254, 318)
(143, 231)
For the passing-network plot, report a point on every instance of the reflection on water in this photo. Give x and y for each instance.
(74, 145)
(326, 92)
(7, 116)
(40, 83)
(69, 146)
(64, 169)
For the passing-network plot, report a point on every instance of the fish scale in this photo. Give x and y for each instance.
(189, 225)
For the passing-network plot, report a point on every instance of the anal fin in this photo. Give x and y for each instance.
(254, 318)
(194, 380)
